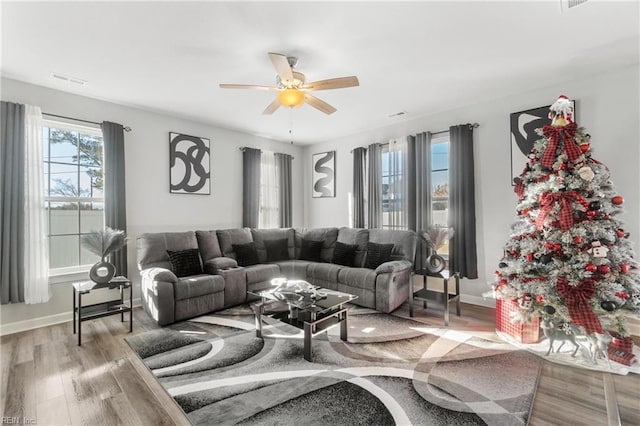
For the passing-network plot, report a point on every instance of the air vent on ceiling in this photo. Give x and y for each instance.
(568, 4)
(69, 79)
(398, 114)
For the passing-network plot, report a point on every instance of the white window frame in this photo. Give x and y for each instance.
(63, 274)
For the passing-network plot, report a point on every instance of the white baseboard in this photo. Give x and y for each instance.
(478, 300)
(30, 324)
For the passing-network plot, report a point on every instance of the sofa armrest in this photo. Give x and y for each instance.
(159, 274)
(393, 266)
(213, 266)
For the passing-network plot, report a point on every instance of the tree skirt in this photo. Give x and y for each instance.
(391, 371)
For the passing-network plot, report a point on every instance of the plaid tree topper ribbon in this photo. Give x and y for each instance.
(578, 304)
(570, 147)
(565, 217)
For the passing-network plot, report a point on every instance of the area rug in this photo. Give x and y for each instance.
(392, 370)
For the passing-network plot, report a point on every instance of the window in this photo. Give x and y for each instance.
(440, 184)
(74, 192)
(394, 208)
(269, 191)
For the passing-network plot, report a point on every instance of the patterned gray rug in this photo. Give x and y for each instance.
(391, 371)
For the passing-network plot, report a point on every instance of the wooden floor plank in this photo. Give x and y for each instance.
(104, 382)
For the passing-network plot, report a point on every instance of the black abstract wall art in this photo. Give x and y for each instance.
(324, 174)
(523, 135)
(189, 164)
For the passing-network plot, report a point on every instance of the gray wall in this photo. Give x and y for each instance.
(607, 106)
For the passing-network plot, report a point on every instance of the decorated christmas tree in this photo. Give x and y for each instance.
(568, 261)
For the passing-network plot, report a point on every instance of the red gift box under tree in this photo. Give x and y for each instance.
(523, 332)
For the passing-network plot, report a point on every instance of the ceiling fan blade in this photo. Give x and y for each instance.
(319, 104)
(246, 86)
(282, 66)
(333, 83)
(273, 106)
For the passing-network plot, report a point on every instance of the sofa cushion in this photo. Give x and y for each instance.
(277, 249)
(185, 263)
(197, 285)
(358, 277)
(208, 245)
(344, 254)
(377, 254)
(246, 254)
(359, 237)
(324, 271)
(404, 242)
(261, 235)
(152, 247)
(293, 269)
(327, 235)
(311, 250)
(228, 237)
(261, 272)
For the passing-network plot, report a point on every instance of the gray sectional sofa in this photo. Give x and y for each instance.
(222, 283)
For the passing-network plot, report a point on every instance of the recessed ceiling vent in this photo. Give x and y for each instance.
(398, 114)
(568, 4)
(69, 79)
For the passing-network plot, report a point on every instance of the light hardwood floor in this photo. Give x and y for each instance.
(49, 380)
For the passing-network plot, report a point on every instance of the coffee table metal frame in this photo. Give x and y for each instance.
(323, 314)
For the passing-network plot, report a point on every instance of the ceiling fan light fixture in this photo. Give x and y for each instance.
(291, 97)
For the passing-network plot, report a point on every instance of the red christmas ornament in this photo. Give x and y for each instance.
(606, 216)
(622, 295)
(624, 268)
(502, 283)
(620, 233)
(591, 213)
(548, 245)
(578, 239)
(539, 298)
(605, 269)
(584, 147)
(529, 257)
(591, 267)
(617, 200)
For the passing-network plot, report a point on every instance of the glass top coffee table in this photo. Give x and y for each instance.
(312, 309)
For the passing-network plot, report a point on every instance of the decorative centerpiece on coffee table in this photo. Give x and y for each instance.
(102, 243)
(436, 236)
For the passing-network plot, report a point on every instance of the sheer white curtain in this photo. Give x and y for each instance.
(36, 253)
(269, 217)
(398, 188)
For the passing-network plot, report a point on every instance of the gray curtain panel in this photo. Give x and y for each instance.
(419, 197)
(283, 167)
(462, 204)
(251, 187)
(12, 160)
(375, 186)
(359, 168)
(115, 208)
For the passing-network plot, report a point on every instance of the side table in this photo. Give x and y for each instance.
(98, 310)
(423, 294)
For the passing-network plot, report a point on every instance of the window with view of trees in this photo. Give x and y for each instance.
(74, 191)
(440, 184)
(393, 186)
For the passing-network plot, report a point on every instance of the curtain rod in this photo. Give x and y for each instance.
(471, 125)
(126, 128)
(242, 148)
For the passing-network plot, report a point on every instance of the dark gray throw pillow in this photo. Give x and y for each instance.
(377, 254)
(311, 250)
(246, 254)
(344, 254)
(185, 262)
(277, 249)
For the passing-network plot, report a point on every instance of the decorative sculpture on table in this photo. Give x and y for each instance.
(436, 236)
(102, 243)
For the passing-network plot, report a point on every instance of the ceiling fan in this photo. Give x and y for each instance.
(292, 89)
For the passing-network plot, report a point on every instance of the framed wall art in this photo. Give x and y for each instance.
(323, 175)
(523, 134)
(189, 164)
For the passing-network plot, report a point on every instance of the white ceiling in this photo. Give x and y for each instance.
(419, 57)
